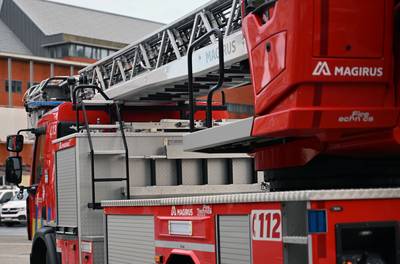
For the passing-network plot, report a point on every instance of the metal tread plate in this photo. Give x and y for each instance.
(185, 190)
(224, 135)
(311, 195)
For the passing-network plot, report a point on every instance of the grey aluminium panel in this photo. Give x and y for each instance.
(98, 251)
(106, 166)
(234, 239)
(66, 187)
(130, 239)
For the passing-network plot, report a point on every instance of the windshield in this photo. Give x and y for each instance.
(6, 197)
(15, 198)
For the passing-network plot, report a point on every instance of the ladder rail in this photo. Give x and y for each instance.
(121, 126)
(91, 152)
(75, 99)
(213, 32)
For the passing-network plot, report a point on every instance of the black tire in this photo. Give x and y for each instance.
(44, 247)
(9, 224)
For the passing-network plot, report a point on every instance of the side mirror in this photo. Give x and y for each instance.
(15, 143)
(14, 170)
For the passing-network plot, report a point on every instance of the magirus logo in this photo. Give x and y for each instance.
(324, 69)
(181, 212)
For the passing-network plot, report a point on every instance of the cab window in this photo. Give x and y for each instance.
(39, 159)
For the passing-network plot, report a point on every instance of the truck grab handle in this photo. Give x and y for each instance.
(87, 86)
(201, 40)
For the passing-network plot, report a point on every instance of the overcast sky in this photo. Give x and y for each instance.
(163, 11)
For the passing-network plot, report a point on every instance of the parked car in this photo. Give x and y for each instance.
(5, 196)
(14, 211)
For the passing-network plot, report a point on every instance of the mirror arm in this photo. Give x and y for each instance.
(31, 190)
(25, 130)
(36, 131)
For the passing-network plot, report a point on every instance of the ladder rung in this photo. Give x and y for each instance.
(103, 126)
(108, 152)
(97, 102)
(109, 179)
(148, 157)
(95, 206)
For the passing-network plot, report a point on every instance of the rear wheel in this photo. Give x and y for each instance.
(39, 252)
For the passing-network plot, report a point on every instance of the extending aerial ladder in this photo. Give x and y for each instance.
(154, 69)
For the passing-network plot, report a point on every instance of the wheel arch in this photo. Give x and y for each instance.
(178, 254)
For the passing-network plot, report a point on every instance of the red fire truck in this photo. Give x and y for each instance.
(130, 166)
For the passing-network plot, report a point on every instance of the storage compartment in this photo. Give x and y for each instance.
(234, 245)
(130, 239)
(66, 186)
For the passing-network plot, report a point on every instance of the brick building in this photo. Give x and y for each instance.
(40, 39)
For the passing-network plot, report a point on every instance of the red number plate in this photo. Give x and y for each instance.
(266, 225)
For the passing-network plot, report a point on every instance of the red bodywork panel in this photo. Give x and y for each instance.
(69, 250)
(270, 247)
(323, 70)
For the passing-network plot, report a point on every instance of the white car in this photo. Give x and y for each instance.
(14, 211)
(5, 196)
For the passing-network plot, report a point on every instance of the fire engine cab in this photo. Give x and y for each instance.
(136, 161)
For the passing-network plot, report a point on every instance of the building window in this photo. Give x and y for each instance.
(104, 53)
(80, 51)
(16, 86)
(64, 50)
(77, 50)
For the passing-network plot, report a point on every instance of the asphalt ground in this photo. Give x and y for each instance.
(14, 245)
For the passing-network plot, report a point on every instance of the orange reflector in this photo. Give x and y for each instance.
(158, 259)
